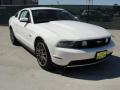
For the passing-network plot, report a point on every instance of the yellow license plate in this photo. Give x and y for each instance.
(101, 55)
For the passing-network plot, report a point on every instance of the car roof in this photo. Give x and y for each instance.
(38, 8)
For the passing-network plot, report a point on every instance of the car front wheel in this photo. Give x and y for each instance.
(43, 55)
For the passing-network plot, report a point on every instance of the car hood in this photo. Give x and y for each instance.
(66, 29)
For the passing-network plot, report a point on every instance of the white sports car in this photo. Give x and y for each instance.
(59, 38)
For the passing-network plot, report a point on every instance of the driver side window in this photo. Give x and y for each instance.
(24, 14)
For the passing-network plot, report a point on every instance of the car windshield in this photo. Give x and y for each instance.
(40, 16)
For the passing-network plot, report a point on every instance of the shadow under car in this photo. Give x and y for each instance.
(106, 70)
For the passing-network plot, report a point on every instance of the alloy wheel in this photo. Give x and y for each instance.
(41, 54)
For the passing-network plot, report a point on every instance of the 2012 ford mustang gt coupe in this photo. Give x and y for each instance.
(58, 38)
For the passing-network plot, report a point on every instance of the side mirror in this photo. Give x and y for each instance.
(24, 20)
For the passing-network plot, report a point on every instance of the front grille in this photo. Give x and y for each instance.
(92, 43)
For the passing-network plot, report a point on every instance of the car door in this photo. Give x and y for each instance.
(25, 34)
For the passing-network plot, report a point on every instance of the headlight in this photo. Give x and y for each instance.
(66, 44)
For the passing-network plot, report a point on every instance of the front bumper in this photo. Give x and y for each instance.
(65, 57)
(86, 62)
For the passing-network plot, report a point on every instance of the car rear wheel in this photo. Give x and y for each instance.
(13, 38)
(43, 55)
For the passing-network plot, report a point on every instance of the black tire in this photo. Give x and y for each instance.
(43, 55)
(13, 38)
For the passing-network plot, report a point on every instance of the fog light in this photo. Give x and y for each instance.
(106, 41)
(84, 43)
